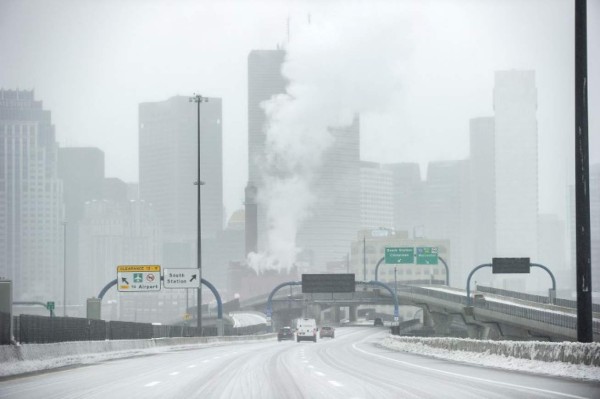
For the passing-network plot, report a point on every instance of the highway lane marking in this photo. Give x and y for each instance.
(335, 383)
(205, 361)
(174, 373)
(319, 374)
(468, 377)
(153, 383)
(191, 366)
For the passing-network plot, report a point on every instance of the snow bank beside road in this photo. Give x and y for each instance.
(566, 359)
(35, 357)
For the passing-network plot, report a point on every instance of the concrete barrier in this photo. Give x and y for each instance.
(38, 352)
(567, 352)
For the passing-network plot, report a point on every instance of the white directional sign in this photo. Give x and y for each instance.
(182, 278)
(138, 278)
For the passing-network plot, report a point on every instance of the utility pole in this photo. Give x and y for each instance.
(582, 180)
(199, 99)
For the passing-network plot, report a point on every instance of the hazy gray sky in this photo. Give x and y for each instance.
(93, 62)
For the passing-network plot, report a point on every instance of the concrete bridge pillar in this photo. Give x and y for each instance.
(476, 331)
(335, 314)
(439, 322)
(352, 313)
(315, 312)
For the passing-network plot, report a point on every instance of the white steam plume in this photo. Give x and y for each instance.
(339, 65)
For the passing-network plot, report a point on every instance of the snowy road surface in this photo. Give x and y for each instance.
(352, 365)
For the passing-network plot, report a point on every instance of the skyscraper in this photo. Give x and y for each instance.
(82, 171)
(376, 205)
(482, 201)
(595, 224)
(31, 199)
(446, 214)
(264, 81)
(516, 163)
(168, 151)
(407, 197)
(335, 216)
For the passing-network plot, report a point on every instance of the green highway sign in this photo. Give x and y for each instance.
(427, 255)
(50, 305)
(399, 255)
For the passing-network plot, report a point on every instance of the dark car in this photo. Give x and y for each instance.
(378, 321)
(327, 332)
(285, 333)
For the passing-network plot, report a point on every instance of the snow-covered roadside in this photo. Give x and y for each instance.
(15, 367)
(562, 369)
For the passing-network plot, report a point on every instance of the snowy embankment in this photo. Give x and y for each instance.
(18, 359)
(566, 359)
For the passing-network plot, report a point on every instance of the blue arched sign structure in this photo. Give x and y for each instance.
(269, 311)
(203, 281)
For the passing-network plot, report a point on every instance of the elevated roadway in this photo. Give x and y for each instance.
(490, 317)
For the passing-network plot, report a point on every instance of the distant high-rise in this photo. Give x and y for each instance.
(265, 80)
(446, 215)
(116, 233)
(31, 199)
(82, 171)
(376, 205)
(595, 224)
(407, 197)
(482, 201)
(168, 152)
(516, 164)
(335, 217)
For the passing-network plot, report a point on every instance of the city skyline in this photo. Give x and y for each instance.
(411, 135)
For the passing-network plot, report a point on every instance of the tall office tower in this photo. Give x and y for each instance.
(335, 217)
(376, 206)
(82, 171)
(116, 233)
(516, 165)
(482, 189)
(31, 199)
(595, 225)
(168, 134)
(552, 248)
(407, 197)
(446, 214)
(264, 81)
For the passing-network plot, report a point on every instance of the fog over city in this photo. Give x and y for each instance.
(192, 189)
(415, 73)
(93, 62)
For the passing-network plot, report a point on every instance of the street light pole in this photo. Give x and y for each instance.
(64, 223)
(197, 98)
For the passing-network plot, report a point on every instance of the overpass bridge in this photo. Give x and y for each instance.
(492, 316)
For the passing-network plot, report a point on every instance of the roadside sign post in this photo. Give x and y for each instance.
(138, 278)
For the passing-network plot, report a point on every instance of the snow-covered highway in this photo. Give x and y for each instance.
(353, 365)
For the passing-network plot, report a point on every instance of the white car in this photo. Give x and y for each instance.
(306, 330)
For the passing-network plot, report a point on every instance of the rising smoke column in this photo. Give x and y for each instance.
(339, 65)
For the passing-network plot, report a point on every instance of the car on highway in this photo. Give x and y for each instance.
(327, 331)
(285, 333)
(306, 330)
(378, 321)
